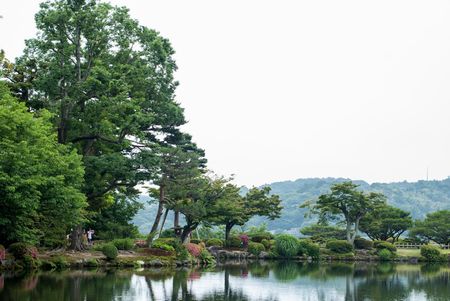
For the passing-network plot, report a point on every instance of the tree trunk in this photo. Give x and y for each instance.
(176, 219)
(186, 232)
(76, 240)
(160, 210)
(163, 221)
(228, 228)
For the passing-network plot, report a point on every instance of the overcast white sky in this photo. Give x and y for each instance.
(279, 90)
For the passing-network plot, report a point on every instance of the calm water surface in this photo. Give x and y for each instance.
(237, 281)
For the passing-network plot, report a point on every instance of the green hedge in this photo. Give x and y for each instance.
(255, 248)
(363, 244)
(233, 242)
(110, 251)
(214, 242)
(385, 254)
(430, 253)
(160, 244)
(339, 246)
(379, 244)
(260, 236)
(308, 248)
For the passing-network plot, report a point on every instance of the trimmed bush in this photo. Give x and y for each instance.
(260, 236)
(214, 242)
(379, 244)
(308, 248)
(110, 251)
(233, 242)
(286, 245)
(266, 244)
(385, 254)
(339, 246)
(160, 244)
(430, 253)
(363, 244)
(194, 249)
(196, 241)
(168, 233)
(255, 248)
(123, 243)
(19, 250)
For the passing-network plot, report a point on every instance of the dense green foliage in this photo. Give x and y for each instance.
(40, 180)
(110, 251)
(384, 245)
(339, 246)
(233, 242)
(159, 244)
(216, 242)
(385, 254)
(255, 248)
(363, 244)
(21, 250)
(430, 253)
(435, 227)
(123, 243)
(322, 233)
(386, 222)
(286, 245)
(308, 248)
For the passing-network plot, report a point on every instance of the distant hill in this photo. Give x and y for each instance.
(419, 198)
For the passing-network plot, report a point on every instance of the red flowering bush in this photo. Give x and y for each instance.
(194, 249)
(244, 239)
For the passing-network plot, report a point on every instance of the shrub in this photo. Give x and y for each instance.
(307, 247)
(379, 244)
(2, 252)
(174, 242)
(110, 251)
(193, 249)
(19, 250)
(286, 245)
(266, 244)
(244, 239)
(159, 244)
(260, 236)
(214, 242)
(233, 242)
(255, 248)
(168, 233)
(124, 243)
(363, 244)
(385, 254)
(30, 263)
(60, 262)
(431, 253)
(206, 258)
(339, 246)
(196, 241)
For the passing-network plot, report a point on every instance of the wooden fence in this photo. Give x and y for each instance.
(417, 246)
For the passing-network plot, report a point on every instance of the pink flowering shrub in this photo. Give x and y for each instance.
(194, 249)
(244, 239)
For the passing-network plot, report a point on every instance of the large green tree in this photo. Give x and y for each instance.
(109, 83)
(435, 227)
(347, 204)
(40, 180)
(386, 222)
(323, 232)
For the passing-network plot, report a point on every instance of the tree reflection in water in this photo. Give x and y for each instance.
(257, 280)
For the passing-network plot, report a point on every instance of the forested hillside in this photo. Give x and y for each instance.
(418, 198)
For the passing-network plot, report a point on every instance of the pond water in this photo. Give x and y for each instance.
(237, 281)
